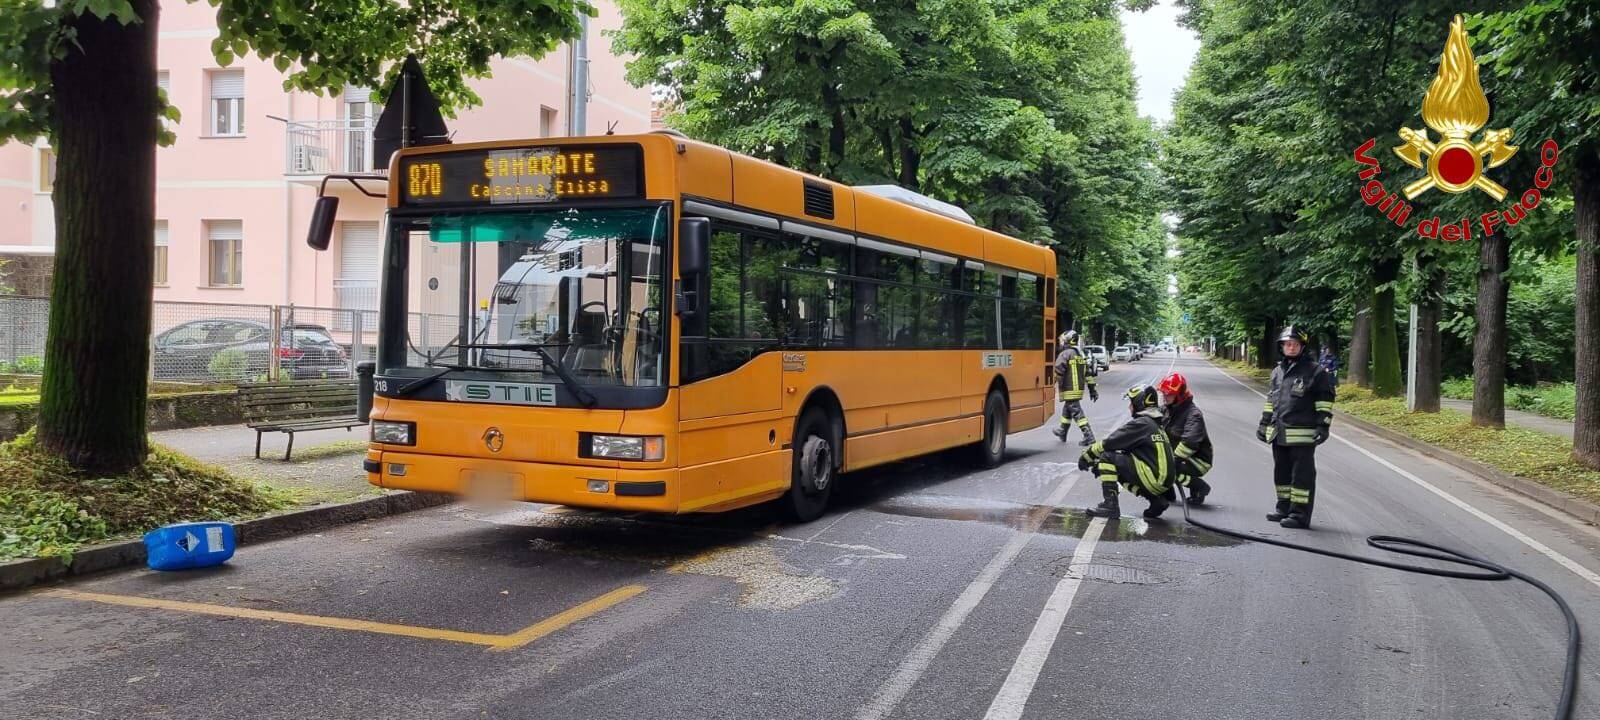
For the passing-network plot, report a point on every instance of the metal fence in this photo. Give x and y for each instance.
(231, 343)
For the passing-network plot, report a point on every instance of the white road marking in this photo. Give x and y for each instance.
(916, 663)
(1013, 696)
(1543, 549)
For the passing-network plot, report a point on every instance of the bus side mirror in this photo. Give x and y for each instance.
(322, 217)
(694, 240)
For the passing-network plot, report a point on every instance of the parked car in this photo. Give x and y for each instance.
(1122, 354)
(1098, 354)
(1149, 349)
(232, 350)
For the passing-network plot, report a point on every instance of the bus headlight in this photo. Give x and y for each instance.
(650, 448)
(393, 433)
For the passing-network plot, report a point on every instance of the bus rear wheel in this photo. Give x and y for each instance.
(815, 468)
(989, 451)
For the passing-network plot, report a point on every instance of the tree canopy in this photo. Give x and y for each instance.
(1021, 112)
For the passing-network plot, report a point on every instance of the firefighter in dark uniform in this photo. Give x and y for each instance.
(1074, 376)
(1186, 431)
(1136, 455)
(1295, 420)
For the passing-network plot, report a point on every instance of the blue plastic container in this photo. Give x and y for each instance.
(184, 546)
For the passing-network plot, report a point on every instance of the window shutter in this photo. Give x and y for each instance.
(353, 94)
(161, 233)
(164, 81)
(225, 229)
(358, 252)
(227, 84)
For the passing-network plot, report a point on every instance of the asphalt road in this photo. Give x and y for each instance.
(932, 591)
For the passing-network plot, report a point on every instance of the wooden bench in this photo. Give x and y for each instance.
(291, 407)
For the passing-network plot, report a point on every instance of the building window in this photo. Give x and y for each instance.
(161, 253)
(227, 102)
(164, 81)
(225, 240)
(547, 122)
(360, 114)
(47, 170)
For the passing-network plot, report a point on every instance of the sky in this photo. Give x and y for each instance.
(1162, 51)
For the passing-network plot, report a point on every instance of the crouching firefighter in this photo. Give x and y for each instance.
(1295, 420)
(1073, 378)
(1186, 431)
(1136, 455)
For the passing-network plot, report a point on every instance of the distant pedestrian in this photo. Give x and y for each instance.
(1330, 362)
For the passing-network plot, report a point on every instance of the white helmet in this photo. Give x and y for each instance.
(1068, 337)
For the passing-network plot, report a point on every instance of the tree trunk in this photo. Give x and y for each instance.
(1430, 348)
(1266, 350)
(1586, 216)
(1361, 341)
(97, 352)
(1489, 345)
(1386, 378)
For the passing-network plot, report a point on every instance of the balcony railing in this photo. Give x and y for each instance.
(319, 147)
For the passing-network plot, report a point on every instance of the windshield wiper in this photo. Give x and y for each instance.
(412, 387)
(578, 389)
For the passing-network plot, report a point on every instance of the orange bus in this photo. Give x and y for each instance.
(652, 323)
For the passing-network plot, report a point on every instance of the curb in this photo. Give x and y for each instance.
(1572, 505)
(1575, 506)
(19, 574)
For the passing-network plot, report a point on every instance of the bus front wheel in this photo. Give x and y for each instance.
(815, 468)
(992, 448)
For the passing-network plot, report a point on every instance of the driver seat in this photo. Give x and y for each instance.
(587, 353)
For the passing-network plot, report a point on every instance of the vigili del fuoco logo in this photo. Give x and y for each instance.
(1456, 108)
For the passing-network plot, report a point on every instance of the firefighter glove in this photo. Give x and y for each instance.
(1094, 394)
(1261, 432)
(1322, 434)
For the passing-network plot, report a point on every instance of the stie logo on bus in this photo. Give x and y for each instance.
(994, 360)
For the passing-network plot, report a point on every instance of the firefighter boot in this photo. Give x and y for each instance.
(1299, 518)
(1060, 432)
(1108, 507)
(1088, 435)
(1198, 490)
(1158, 504)
(1281, 513)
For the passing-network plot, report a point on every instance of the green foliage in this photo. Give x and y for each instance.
(1556, 400)
(321, 47)
(229, 365)
(1259, 160)
(1023, 113)
(1541, 457)
(49, 509)
(28, 365)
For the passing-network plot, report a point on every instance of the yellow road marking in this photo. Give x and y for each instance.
(564, 618)
(494, 642)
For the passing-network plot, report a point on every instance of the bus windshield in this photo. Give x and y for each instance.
(513, 292)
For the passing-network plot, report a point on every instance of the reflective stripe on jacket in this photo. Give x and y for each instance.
(1073, 375)
(1299, 402)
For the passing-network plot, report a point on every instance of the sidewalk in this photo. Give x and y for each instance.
(326, 466)
(1554, 426)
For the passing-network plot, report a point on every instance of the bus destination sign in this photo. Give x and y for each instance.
(528, 175)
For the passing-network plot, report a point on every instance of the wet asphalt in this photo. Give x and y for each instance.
(919, 596)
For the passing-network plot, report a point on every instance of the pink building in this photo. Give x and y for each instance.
(234, 193)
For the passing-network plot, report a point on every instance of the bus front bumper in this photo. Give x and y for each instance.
(651, 490)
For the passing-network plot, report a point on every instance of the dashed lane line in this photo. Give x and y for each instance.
(915, 664)
(1013, 696)
(493, 642)
(1592, 577)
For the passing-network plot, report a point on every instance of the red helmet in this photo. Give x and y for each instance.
(1174, 388)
